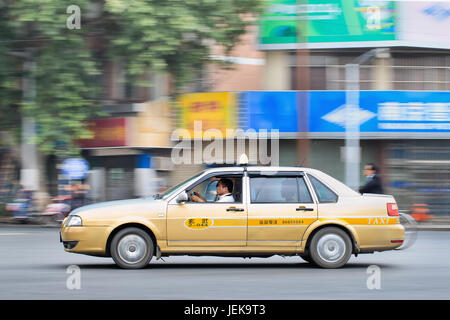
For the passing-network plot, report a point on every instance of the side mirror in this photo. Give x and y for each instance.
(182, 197)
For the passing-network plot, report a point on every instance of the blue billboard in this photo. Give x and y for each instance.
(382, 111)
(269, 110)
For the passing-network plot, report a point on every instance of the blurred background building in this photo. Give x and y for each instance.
(289, 73)
(404, 108)
(404, 98)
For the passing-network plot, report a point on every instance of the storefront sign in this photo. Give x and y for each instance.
(107, 133)
(323, 23)
(152, 127)
(215, 110)
(383, 112)
(425, 23)
(318, 24)
(269, 110)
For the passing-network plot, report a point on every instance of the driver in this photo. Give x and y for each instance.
(224, 188)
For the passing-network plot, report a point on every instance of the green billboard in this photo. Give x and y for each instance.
(326, 21)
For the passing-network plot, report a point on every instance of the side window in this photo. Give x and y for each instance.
(207, 188)
(274, 190)
(202, 189)
(323, 192)
(305, 196)
(210, 193)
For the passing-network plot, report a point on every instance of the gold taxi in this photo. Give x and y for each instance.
(241, 212)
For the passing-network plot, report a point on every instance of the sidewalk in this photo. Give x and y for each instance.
(437, 224)
(11, 221)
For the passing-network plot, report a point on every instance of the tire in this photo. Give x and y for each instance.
(132, 248)
(306, 257)
(330, 248)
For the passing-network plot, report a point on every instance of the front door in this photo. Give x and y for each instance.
(210, 223)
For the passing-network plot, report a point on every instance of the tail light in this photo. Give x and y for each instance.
(392, 209)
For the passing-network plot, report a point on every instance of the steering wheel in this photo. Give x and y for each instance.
(190, 194)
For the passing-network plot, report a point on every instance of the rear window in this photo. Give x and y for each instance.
(324, 194)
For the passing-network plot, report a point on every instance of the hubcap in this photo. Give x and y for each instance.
(132, 248)
(331, 247)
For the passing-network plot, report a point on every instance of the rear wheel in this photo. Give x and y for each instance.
(132, 248)
(330, 247)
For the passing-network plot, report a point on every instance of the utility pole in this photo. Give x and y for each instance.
(302, 78)
(352, 153)
(352, 132)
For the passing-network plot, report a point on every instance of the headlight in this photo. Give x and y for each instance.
(74, 221)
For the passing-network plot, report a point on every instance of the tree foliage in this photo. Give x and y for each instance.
(10, 76)
(167, 36)
(63, 87)
(176, 35)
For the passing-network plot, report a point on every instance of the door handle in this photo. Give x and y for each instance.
(235, 209)
(304, 209)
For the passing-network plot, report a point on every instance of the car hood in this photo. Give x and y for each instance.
(111, 204)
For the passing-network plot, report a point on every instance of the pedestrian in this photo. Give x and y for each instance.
(373, 184)
(78, 196)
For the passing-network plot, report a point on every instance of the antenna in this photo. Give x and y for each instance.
(301, 164)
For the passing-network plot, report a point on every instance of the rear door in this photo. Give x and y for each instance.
(280, 209)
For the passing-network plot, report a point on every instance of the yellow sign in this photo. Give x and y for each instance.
(198, 223)
(202, 223)
(212, 110)
(153, 126)
(367, 221)
(381, 221)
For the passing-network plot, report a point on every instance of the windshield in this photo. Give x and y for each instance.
(170, 190)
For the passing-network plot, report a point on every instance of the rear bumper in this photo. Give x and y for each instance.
(380, 238)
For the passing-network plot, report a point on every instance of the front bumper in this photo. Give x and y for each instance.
(85, 239)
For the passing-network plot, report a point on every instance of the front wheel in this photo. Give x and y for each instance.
(306, 256)
(132, 248)
(330, 247)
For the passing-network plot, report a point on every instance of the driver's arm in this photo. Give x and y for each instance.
(196, 197)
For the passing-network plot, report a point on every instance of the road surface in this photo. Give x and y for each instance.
(33, 265)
